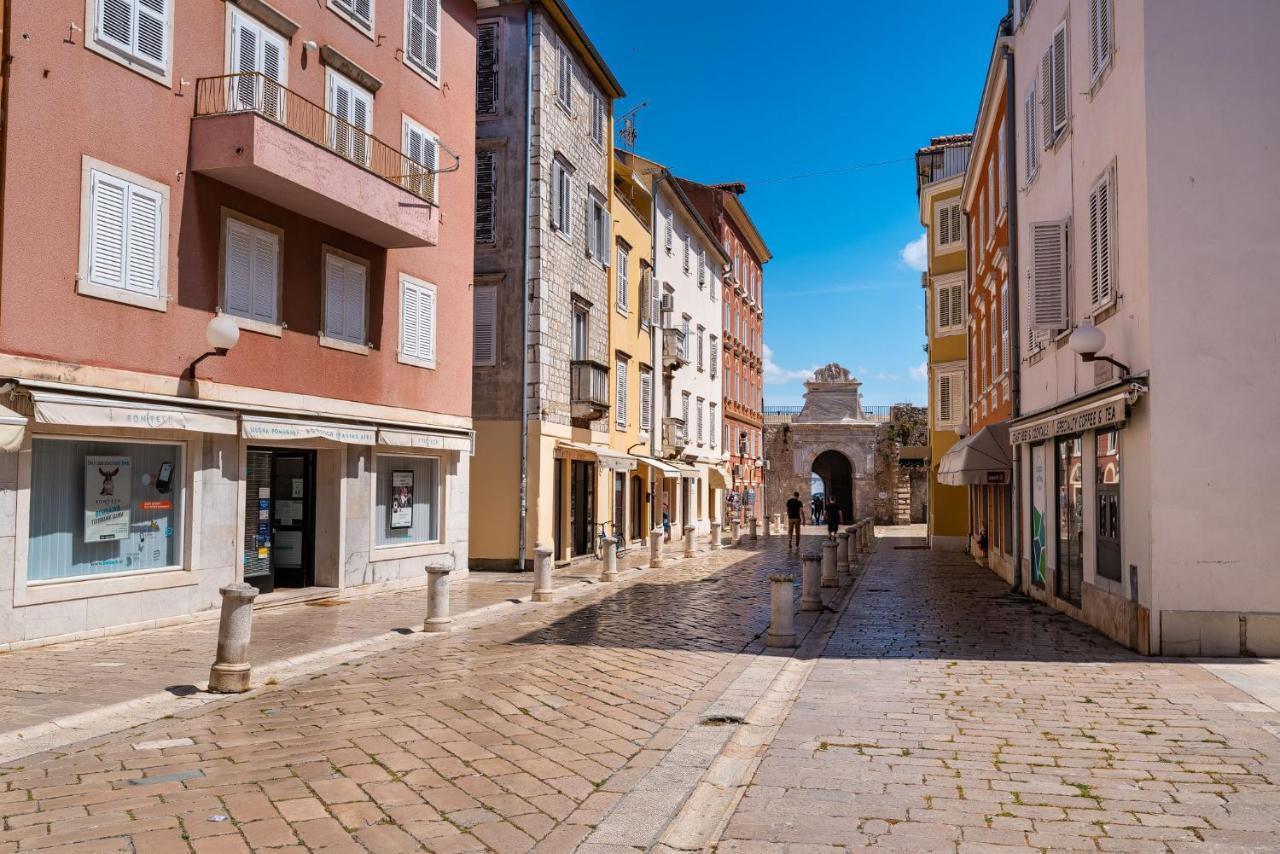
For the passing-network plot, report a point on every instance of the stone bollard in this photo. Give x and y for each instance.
(715, 537)
(655, 547)
(829, 577)
(688, 541)
(230, 671)
(438, 618)
(782, 632)
(543, 588)
(735, 533)
(842, 552)
(855, 542)
(768, 527)
(754, 526)
(811, 583)
(610, 571)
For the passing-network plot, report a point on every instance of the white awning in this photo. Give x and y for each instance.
(284, 430)
(606, 457)
(667, 469)
(983, 458)
(83, 411)
(12, 426)
(425, 441)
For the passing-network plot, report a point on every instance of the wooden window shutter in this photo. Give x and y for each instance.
(1060, 79)
(487, 82)
(486, 196)
(484, 340)
(1101, 243)
(564, 82)
(1049, 275)
(944, 398)
(958, 298)
(957, 224)
(944, 226)
(944, 308)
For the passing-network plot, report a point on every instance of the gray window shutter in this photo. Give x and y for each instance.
(484, 336)
(1046, 98)
(1059, 80)
(353, 302)
(335, 283)
(487, 68)
(1032, 150)
(1101, 243)
(266, 247)
(238, 271)
(486, 196)
(1049, 275)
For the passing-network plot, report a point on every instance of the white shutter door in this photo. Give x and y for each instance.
(1059, 80)
(416, 32)
(484, 335)
(153, 29)
(335, 282)
(115, 22)
(1031, 150)
(244, 61)
(273, 53)
(238, 271)
(410, 324)
(353, 302)
(1049, 275)
(1046, 98)
(143, 241)
(427, 325)
(362, 118)
(431, 37)
(107, 214)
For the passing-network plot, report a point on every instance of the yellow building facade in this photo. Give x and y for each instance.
(940, 169)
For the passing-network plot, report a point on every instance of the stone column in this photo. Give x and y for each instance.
(842, 552)
(438, 618)
(230, 671)
(782, 632)
(768, 527)
(777, 523)
(811, 584)
(829, 577)
(688, 541)
(655, 548)
(716, 545)
(543, 588)
(610, 571)
(754, 524)
(735, 533)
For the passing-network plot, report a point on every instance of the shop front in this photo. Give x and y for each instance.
(983, 462)
(591, 493)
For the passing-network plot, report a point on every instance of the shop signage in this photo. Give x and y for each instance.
(292, 431)
(1076, 421)
(106, 498)
(91, 412)
(996, 477)
(431, 441)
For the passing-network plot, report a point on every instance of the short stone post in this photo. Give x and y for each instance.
(754, 526)
(716, 545)
(868, 531)
(811, 584)
(230, 671)
(688, 541)
(655, 548)
(735, 533)
(768, 527)
(543, 588)
(842, 552)
(855, 542)
(829, 577)
(438, 618)
(610, 571)
(782, 631)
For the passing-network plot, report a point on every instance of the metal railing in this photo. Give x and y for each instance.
(675, 349)
(870, 413)
(253, 92)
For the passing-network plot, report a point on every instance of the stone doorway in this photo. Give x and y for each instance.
(836, 473)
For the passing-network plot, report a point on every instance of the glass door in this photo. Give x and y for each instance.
(1069, 572)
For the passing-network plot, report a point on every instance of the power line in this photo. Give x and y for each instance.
(856, 168)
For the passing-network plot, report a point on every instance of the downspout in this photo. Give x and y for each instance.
(1015, 337)
(6, 73)
(968, 363)
(657, 479)
(522, 535)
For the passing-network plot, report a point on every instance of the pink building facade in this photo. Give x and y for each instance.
(301, 173)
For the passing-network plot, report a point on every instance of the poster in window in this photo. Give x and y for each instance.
(401, 500)
(106, 498)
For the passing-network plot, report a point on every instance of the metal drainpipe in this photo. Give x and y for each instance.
(655, 346)
(522, 536)
(1015, 337)
(968, 354)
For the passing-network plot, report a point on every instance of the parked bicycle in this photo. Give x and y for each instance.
(603, 529)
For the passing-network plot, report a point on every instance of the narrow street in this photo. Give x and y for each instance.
(941, 714)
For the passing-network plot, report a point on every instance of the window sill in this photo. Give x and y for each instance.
(425, 75)
(568, 109)
(348, 346)
(408, 550)
(428, 364)
(367, 32)
(92, 586)
(88, 289)
(164, 78)
(275, 330)
(1105, 311)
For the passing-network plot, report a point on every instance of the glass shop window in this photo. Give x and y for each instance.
(1108, 483)
(408, 500)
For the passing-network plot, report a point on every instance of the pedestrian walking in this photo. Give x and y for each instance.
(817, 510)
(795, 517)
(666, 525)
(834, 517)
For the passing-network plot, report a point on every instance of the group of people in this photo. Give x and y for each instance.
(830, 511)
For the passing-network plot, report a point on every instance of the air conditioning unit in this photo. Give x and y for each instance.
(668, 303)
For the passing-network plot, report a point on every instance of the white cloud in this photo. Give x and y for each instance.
(916, 254)
(887, 376)
(920, 372)
(775, 375)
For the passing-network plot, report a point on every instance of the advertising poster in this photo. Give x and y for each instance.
(401, 500)
(106, 498)
(1038, 542)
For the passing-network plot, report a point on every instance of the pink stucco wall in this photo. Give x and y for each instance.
(67, 101)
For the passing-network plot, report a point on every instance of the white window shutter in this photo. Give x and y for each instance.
(1049, 275)
(115, 22)
(607, 222)
(484, 341)
(1101, 243)
(153, 31)
(238, 271)
(427, 325)
(431, 47)
(1004, 329)
(646, 399)
(1031, 149)
(944, 399)
(593, 228)
(410, 323)
(620, 401)
(266, 248)
(143, 242)
(1046, 98)
(1059, 80)
(107, 216)
(353, 303)
(335, 282)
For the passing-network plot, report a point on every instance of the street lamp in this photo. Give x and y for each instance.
(1087, 340)
(222, 333)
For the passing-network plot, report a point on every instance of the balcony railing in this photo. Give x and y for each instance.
(675, 350)
(588, 389)
(879, 414)
(675, 436)
(253, 92)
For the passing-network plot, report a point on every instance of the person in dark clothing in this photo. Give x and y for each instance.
(834, 517)
(795, 517)
(817, 510)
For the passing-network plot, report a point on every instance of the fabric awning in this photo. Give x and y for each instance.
(983, 458)
(667, 469)
(606, 457)
(12, 427)
(717, 478)
(286, 430)
(83, 411)
(425, 440)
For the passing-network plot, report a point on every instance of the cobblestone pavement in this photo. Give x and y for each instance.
(519, 733)
(947, 715)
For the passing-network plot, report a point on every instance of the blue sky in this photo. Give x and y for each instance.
(737, 92)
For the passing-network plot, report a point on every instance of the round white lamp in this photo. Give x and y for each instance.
(1087, 339)
(962, 429)
(222, 333)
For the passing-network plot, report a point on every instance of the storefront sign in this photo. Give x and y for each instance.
(428, 441)
(157, 505)
(997, 477)
(107, 481)
(401, 507)
(1077, 421)
(263, 429)
(77, 411)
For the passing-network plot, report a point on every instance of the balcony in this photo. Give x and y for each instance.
(254, 134)
(675, 437)
(588, 390)
(675, 349)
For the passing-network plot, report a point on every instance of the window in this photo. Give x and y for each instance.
(648, 304)
(684, 252)
(125, 228)
(257, 56)
(121, 521)
(408, 500)
(562, 198)
(949, 394)
(701, 407)
(422, 148)
(487, 57)
(981, 367)
(251, 271)
(1102, 242)
(346, 285)
(484, 337)
(358, 12)
(599, 229)
(598, 119)
(134, 31)
(702, 346)
(646, 398)
(1002, 182)
(1048, 275)
(1031, 162)
(486, 196)
(702, 268)
(712, 432)
(579, 346)
(422, 37)
(993, 344)
(1107, 479)
(668, 228)
(684, 407)
(1004, 328)
(715, 355)
(990, 192)
(564, 77)
(620, 407)
(624, 280)
(1100, 44)
(354, 106)
(684, 340)
(948, 225)
(1053, 87)
(417, 322)
(950, 303)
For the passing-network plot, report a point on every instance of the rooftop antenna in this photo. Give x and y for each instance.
(628, 132)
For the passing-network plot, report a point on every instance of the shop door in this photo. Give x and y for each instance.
(557, 533)
(620, 506)
(279, 519)
(582, 504)
(637, 507)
